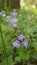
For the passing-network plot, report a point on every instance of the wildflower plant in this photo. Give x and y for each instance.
(18, 37)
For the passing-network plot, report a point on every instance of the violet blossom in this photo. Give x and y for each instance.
(21, 37)
(14, 13)
(25, 43)
(16, 44)
(14, 20)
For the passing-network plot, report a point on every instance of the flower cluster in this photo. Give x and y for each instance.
(22, 39)
(14, 19)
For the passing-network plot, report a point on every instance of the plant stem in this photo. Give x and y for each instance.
(3, 42)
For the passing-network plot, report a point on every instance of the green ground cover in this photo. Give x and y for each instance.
(27, 25)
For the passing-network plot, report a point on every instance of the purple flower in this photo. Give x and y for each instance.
(21, 37)
(25, 43)
(14, 20)
(14, 13)
(16, 44)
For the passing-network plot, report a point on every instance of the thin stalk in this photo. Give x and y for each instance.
(3, 42)
(5, 4)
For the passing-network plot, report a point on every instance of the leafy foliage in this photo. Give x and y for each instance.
(27, 25)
